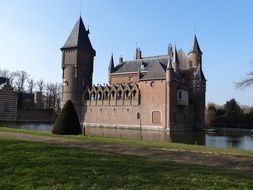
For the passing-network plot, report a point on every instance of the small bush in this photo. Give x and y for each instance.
(67, 123)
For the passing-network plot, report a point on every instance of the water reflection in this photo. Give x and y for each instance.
(235, 139)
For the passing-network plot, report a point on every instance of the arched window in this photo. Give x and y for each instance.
(156, 117)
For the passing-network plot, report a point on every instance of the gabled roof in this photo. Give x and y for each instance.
(157, 71)
(78, 38)
(195, 46)
(199, 75)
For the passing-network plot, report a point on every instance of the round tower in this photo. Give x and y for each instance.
(77, 66)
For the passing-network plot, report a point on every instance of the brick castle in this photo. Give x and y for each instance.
(158, 92)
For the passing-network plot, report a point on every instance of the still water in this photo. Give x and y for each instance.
(227, 139)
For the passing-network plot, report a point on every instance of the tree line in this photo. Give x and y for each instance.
(231, 113)
(22, 82)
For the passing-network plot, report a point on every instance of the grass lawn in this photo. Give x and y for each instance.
(30, 165)
(133, 142)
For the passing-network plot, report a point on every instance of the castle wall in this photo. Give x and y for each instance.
(112, 116)
(153, 103)
(123, 78)
(8, 103)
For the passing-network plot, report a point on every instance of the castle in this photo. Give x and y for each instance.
(158, 92)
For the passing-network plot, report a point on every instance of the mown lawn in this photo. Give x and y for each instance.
(30, 165)
(134, 142)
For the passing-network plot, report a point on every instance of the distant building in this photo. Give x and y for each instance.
(158, 92)
(8, 101)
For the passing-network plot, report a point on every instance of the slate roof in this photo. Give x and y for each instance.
(195, 46)
(199, 75)
(78, 38)
(143, 64)
(111, 64)
(157, 71)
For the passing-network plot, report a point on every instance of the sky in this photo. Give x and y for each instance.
(33, 31)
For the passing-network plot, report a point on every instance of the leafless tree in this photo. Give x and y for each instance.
(30, 85)
(7, 74)
(20, 77)
(247, 81)
(41, 85)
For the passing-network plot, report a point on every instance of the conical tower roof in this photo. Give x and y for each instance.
(199, 75)
(195, 46)
(79, 38)
(111, 64)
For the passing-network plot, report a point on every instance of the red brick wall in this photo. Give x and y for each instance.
(109, 115)
(153, 98)
(123, 78)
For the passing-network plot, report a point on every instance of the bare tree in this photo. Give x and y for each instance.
(246, 81)
(41, 85)
(7, 74)
(30, 85)
(4, 73)
(21, 77)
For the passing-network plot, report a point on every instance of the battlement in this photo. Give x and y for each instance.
(113, 95)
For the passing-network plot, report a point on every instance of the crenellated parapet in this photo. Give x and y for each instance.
(113, 95)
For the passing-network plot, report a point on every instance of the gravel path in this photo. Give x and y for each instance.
(244, 163)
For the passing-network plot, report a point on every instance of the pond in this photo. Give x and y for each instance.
(225, 139)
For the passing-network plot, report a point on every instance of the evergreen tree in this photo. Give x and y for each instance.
(67, 123)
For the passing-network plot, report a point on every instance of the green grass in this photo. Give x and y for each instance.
(29, 165)
(133, 142)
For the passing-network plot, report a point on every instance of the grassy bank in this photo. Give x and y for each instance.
(30, 165)
(133, 142)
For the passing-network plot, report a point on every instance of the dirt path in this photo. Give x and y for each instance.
(207, 159)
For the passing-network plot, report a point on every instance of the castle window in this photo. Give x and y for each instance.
(182, 97)
(156, 117)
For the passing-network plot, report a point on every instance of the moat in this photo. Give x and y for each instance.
(225, 139)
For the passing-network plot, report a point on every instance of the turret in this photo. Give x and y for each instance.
(111, 65)
(170, 50)
(199, 97)
(195, 54)
(175, 62)
(77, 66)
(110, 68)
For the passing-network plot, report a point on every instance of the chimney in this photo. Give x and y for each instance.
(138, 53)
(121, 60)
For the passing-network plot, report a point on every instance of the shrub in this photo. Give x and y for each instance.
(67, 123)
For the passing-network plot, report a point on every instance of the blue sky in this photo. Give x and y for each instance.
(32, 31)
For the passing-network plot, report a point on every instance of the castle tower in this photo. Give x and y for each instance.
(77, 66)
(195, 54)
(199, 85)
(169, 98)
